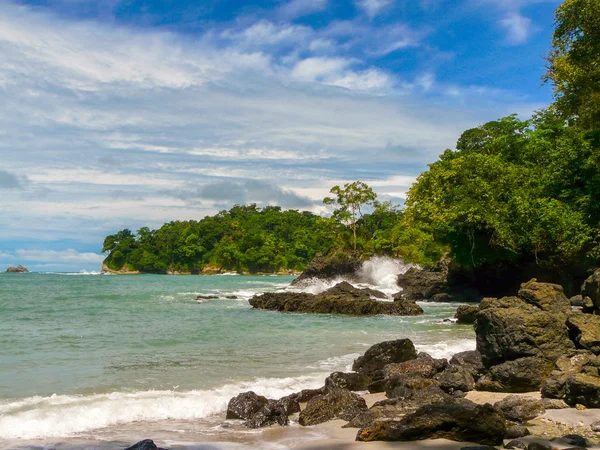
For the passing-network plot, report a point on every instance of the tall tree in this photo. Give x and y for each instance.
(349, 200)
(574, 64)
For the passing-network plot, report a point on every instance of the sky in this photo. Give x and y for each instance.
(128, 113)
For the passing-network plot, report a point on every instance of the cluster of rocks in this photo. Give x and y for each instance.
(538, 340)
(331, 265)
(18, 269)
(343, 298)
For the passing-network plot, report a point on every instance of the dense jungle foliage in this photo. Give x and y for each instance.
(511, 192)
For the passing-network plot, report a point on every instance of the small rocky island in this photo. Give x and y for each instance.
(18, 269)
(343, 298)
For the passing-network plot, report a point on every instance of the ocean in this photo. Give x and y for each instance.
(91, 361)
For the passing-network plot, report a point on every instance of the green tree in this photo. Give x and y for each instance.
(574, 63)
(349, 201)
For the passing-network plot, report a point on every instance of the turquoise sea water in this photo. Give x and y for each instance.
(82, 354)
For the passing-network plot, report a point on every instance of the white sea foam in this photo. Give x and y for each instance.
(343, 362)
(378, 272)
(447, 349)
(67, 415)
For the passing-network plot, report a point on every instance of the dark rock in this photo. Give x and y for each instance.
(146, 444)
(591, 288)
(385, 410)
(516, 444)
(336, 404)
(583, 389)
(231, 297)
(206, 297)
(379, 355)
(520, 375)
(274, 412)
(595, 426)
(350, 381)
(340, 299)
(470, 360)
(574, 363)
(330, 265)
(18, 269)
(306, 394)
(419, 284)
(245, 405)
(414, 391)
(424, 365)
(584, 330)
(577, 301)
(466, 314)
(290, 404)
(571, 439)
(546, 296)
(458, 422)
(455, 378)
(516, 431)
(520, 409)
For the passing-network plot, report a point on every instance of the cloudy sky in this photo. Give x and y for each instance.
(127, 113)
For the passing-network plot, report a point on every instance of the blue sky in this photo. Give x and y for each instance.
(128, 113)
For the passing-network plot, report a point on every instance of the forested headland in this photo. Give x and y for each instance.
(515, 193)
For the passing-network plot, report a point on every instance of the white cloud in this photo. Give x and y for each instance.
(373, 7)
(299, 8)
(6, 255)
(518, 28)
(336, 72)
(64, 256)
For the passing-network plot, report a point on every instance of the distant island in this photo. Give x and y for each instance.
(18, 269)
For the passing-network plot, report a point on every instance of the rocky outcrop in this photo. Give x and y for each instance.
(245, 405)
(18, 269)
(576, 379)
(464, 421)
(466, 314)
(520, 409)
(340, 299)
(455, 379)
(424, 365)
(274, 412)
(122, 271)
(331, 265)
(471, 361)
(584, 330)
(379, 355)
(520, 338)
(336, 404)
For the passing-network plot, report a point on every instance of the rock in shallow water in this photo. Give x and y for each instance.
(245, 405)
(146, 444)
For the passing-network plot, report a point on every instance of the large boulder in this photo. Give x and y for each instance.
(470, 360)
(333, 264)
(336, 404)
(423, 284)
(584, 330)
(414, 391)
(546, 296)
(245, 405)
(519, 375)
(379, 355)
(520, 409)
(18, 269)
(591, 288)
(564, 377)
(146, 444)
(583, 389)
(464, 421)
(456, 379)
(274, 412)
(505, 334)
(340, 299)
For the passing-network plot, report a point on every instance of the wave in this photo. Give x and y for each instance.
(378, 272)
(69, 415)
(447, 349)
